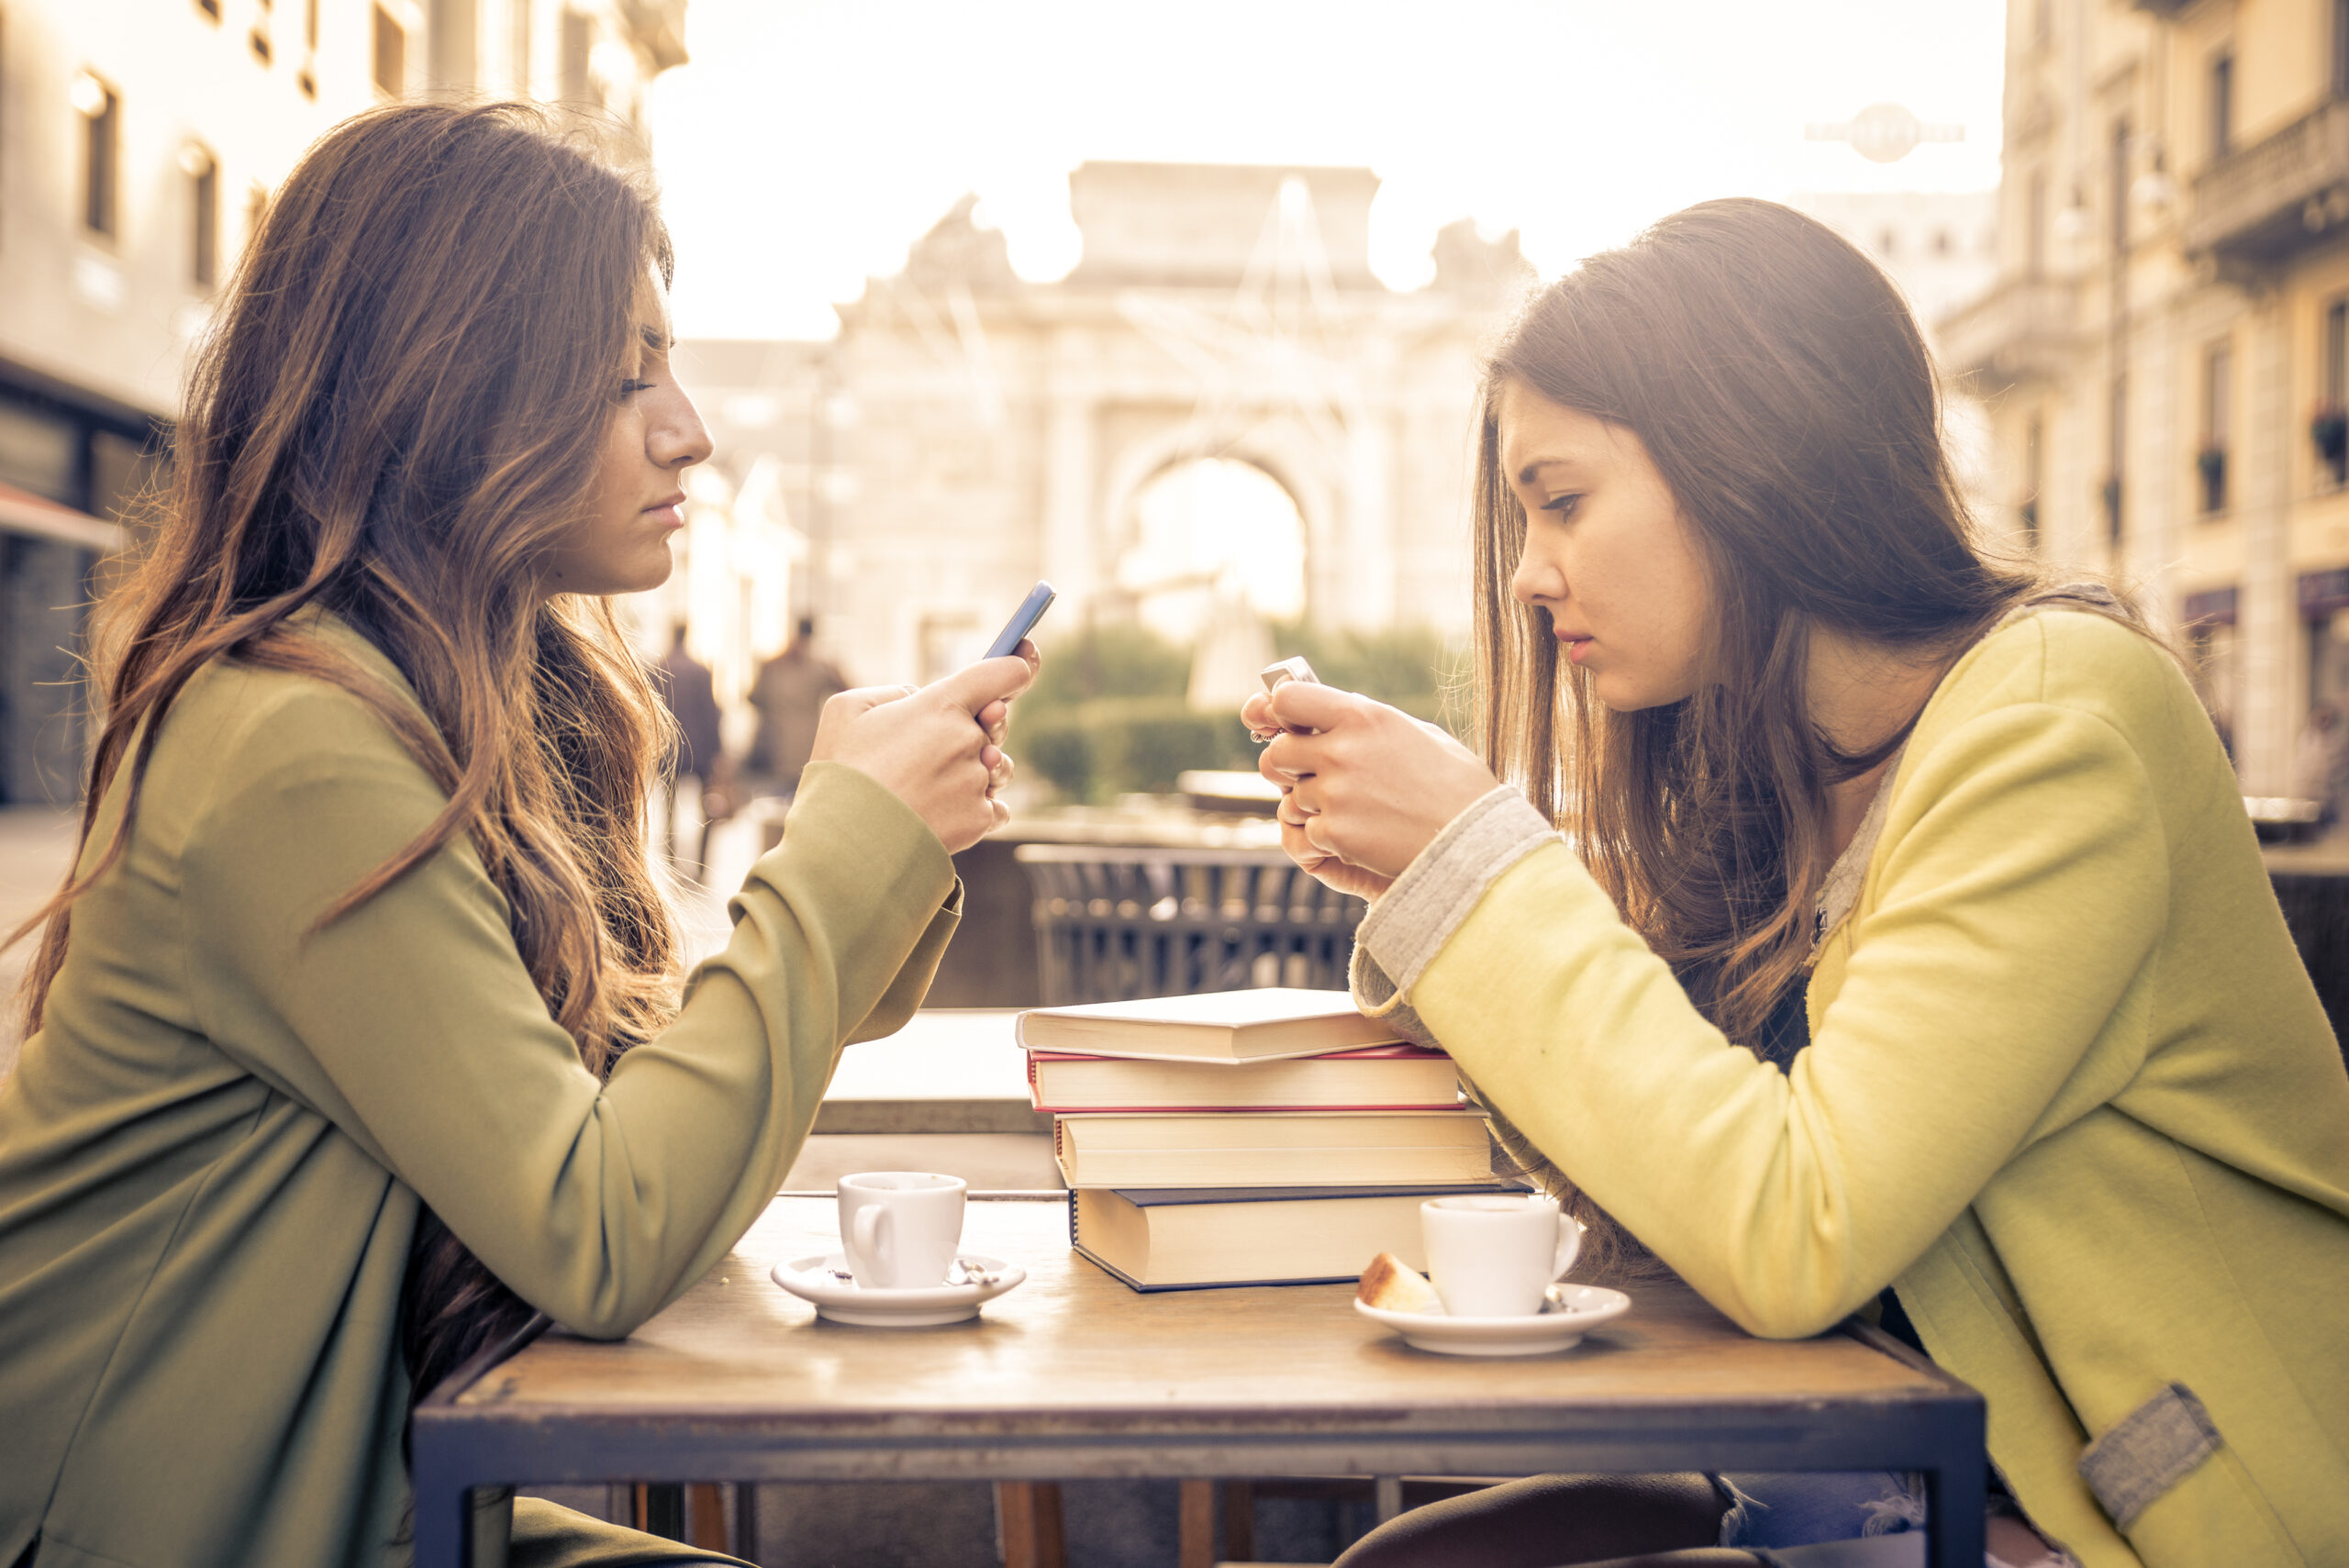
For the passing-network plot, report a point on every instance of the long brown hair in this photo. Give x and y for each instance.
(1782, 388)
(396, 413)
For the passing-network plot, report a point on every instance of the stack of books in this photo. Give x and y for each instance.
(1266, 1136)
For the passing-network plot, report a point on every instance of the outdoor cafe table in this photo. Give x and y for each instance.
(1074, 1375)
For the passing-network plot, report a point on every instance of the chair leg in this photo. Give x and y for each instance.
(1029, 1514)
(1194, 1525)
(1239, 1520)
(706, 1516)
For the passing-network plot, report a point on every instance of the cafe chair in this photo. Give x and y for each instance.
(1114, 922)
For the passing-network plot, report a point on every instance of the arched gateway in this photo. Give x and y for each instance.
(968, 432)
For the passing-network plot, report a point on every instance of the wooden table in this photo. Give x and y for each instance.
(1071, 1375)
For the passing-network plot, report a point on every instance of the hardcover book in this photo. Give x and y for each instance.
(1189, 1239)
(1269, 1149)
(1375, 1077)
(1217, 1026)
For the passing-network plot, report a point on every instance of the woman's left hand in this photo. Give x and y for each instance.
(1370, 784)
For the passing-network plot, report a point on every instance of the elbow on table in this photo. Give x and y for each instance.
(1785, 1309)
(607, 1308)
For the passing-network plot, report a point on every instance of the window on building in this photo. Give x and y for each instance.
(2035, 477)
(260, 37)
(391, 55)
(204, 202)
(101, 112)
(2116, 453)
(2210, 461)
(1888, 242)
(520, 54)
(2118, 193)
(2222, 105)
(2329, 427)
(306, 79)
(2043, 22)
(2341, 48)
(210, 9)
(1941, 246)
(2034, 225)
(578, 45)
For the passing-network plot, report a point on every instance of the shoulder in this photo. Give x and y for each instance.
(2074, 660)
(253, 732)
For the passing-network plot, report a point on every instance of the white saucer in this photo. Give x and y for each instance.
(1572, 1311)
(844, 1301)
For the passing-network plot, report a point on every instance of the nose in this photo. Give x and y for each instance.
(676, 439)
(1537, 581)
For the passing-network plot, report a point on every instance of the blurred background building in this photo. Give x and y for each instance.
(140, 141)
(1219, 418)
(2166, 352)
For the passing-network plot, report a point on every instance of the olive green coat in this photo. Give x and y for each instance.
(213, 1151)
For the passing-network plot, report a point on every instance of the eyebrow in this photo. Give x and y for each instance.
(654, 339)
(1533, 471)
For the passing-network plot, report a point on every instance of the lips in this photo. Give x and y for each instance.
(665, 510)
(1576, 644)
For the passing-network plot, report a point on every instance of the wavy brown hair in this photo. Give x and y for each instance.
(1780, 384)
(395, 416)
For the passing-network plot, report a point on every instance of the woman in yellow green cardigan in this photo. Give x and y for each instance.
(356, 1034)
(1906, 945)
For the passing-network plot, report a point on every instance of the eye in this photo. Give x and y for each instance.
(628, 388)
(1561, 506)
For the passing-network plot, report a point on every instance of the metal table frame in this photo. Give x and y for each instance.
(1939, 1432)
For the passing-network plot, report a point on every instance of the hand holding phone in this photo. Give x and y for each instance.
(1274, 675)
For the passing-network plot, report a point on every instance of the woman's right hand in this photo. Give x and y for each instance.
(937, 748)
(1326, 868)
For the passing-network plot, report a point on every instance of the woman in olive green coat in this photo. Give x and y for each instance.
(355, 1037)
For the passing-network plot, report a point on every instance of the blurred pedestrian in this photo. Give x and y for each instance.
(703, 770)
(335, 1077)
(789, 693)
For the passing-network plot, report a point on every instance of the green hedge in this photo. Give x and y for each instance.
(1107, 716)
(1098, 751)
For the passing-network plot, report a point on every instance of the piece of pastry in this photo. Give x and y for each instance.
(1393, 1285)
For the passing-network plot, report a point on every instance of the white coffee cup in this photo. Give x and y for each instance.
(899, 1229)
(1494, 1256)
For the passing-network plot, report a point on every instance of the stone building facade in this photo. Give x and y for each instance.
(2166, 352)
(968, 432)
(139, 140)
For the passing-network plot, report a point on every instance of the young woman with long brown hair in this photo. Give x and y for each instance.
(356, 1035)
(1907, 947)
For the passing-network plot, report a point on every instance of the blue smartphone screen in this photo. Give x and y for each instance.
(1023, 621)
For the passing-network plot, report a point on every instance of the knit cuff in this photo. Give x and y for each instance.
(1411, 920)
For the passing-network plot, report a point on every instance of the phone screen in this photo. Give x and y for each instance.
(1023, 621)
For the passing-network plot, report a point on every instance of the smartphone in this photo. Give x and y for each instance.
(1295, 669)
(1023, 621)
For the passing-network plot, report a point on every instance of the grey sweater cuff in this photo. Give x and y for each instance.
(1411, 920)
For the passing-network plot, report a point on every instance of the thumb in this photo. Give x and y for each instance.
(973, 686)
(1308, 705)
(863, 699)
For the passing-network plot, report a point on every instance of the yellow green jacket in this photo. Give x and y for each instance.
(2068, 1091)
(212, 1153)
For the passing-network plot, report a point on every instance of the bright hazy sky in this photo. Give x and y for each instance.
(810, 141)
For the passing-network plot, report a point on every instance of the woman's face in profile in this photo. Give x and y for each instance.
(1608, 553)
(621, 544)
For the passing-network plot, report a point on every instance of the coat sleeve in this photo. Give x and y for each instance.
(412, 1024)
(2023, 887)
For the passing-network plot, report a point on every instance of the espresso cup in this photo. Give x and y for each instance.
(899, 1229)
(1494, 1256)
